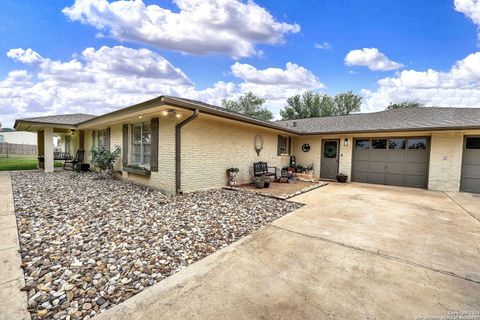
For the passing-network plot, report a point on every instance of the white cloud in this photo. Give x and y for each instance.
(199, 27)
(371, 58)
(109, 78)
(471, 8)
(459, 87)
(323, 45)
(275, 84)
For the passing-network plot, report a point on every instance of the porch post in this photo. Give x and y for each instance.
(40, 150)
(48, 149)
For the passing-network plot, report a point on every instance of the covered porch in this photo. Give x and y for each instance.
(58, 138)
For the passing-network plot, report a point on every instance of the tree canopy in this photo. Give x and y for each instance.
(311, 105)
(405, 104)
(249, 104)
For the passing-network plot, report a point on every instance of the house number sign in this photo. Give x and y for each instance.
(306, 147)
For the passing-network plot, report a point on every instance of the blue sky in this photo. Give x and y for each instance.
(382, 50)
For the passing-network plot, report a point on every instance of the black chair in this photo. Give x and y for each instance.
(261, 169)
(72, 164)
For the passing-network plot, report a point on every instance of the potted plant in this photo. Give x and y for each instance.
(266, 182)
(232, 172)
(104, 160)
(309, 169)
(342, 177)
(299, 168)
(259, 182)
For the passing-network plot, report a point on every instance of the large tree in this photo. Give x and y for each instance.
(405, 104)
(311, 105)
(249, 104)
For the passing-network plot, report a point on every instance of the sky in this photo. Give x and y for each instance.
(96, 56)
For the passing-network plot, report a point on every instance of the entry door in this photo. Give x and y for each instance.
(329, 162)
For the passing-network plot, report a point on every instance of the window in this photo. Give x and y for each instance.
(472, 143)
(282, 145)
(1, 137)
(417, 143)
(362, 144)
(101, 138)
(379, 144)
(397, 143)
(141, 139)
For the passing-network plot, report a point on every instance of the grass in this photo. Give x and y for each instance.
(21, 162)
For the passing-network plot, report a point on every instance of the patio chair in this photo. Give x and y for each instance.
(71, 164)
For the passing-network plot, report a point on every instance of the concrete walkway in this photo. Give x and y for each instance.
(354, 251)
(13, 302)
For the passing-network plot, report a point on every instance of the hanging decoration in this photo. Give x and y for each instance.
(306, 147)
(258, 144)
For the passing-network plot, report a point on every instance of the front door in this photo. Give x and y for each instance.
(329, 162)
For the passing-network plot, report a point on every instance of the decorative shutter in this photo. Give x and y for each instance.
(125, 144)
(289, 145)
(81, 143)
(93, 137)
(107, 139)
(279, 143)
(154, 126)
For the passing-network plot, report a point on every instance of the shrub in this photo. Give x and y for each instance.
(103, 159)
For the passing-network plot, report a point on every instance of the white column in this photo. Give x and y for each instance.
(48, 149)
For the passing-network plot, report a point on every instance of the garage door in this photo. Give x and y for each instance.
(392, 161)
(471, 165)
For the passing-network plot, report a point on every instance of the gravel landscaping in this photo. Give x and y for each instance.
(89, 244)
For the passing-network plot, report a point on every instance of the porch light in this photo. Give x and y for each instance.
(72, 132)
(345, 142)
(164, 113)
(139, 117)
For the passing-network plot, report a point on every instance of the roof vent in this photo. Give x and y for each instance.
(294, 123)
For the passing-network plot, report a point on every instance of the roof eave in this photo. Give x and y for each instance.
(392, 130)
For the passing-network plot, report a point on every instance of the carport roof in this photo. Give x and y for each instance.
(402, 119)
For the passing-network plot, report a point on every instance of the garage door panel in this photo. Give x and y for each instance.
(377, 167)
(415, 181)
(396, 155)
(378, 155)
(471, 171)
(378, 178)
(417, 156)
(471, 157)
(470, 185)
(361, 165)
(360, 176)
(394, 165)
(395, 179)
(416, 168)
(361, 155)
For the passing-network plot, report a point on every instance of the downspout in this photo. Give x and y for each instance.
(178, 151)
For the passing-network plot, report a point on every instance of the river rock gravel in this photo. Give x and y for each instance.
(89, 244)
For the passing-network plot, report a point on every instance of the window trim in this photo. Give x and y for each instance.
(98, 133)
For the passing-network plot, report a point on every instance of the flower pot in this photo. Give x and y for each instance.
(342, 178)
(260, 184)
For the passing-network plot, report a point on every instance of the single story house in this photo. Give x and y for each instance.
(187, 145)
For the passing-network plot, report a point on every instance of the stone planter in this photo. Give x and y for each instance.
(137, 171)
(342, 178)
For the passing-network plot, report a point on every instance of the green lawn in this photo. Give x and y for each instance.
(21, 162)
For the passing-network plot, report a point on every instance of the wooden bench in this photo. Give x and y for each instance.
(261, 169)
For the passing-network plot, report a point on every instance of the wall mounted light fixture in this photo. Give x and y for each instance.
(345, 142)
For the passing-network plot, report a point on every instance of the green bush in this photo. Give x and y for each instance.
(103, 159)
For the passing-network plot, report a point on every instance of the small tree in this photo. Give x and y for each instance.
(405, 104)
(103, 159)
(250, 105)
(347, 102)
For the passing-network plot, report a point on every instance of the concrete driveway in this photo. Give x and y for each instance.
(354, 251)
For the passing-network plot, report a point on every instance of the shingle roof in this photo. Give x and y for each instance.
(68, 119)
(401, 119)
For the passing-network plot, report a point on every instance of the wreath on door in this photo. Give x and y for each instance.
(330, 151)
